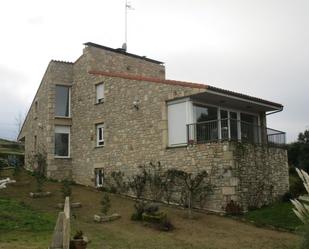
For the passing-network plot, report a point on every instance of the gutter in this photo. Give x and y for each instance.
(270, 113)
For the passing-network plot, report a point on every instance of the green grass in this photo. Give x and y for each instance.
(279, 215)
(18, 216)
(203, 232)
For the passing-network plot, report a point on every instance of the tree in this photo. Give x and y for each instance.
(298, 152)
(194, 187)
(38, 162)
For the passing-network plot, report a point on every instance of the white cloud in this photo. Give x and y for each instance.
(255, 47)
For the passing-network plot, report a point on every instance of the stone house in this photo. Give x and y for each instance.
(112, 110)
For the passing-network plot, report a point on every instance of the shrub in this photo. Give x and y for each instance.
(66, 188)
(78, 235)
(165, 225)
(105, 204)
(233, 208)
(287, 197)
(3, 162)
(156, 218)
(139, 210)
(151, 208)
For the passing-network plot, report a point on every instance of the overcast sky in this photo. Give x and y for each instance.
(253, 47)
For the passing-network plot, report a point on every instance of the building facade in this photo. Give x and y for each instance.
(112, 110)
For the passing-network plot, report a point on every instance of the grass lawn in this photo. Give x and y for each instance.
(203, 232)
(278, 215)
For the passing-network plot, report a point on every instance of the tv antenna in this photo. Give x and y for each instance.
(128, 6)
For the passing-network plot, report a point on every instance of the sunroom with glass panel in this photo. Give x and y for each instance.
(201, 118)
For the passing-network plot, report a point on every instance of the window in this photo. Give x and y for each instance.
(99, 177)
(206, 123)
(99, 88)
(100, 134)
(62, 101)
(62, 141)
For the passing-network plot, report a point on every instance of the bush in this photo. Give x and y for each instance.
(233, 208)
(156, 218)
(66, 188)
(287, 197)
(139, 210)
(151, 208)
(165, 225)
(296, 186)
(105, 204)
(3, 162)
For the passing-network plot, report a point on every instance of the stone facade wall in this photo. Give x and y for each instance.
(135, 137)
(262, 172)
(40, 120)
(108, 61)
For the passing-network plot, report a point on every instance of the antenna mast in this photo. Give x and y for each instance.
(126, 23)
(127, 7)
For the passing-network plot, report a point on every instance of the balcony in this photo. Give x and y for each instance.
(233, 130)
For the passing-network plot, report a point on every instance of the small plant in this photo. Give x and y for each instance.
(105, 204)
(78, 235)
(151, 208)
(165, 225)
(139, 210)
(66, 188)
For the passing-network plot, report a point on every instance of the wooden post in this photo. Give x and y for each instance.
(66, 224)
(57, 240)
(62, 231)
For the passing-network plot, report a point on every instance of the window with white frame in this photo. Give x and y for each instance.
(62, 101)
(99, 88)
(100, 134)
(99, 177)
(62, 141)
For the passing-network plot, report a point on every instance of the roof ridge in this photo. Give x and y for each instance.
(60, 61)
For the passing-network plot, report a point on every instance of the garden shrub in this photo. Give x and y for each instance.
(105, 204)
(287, 197)
(139, 210)
(151, 208)
(165, 225)
(66, 188)
(156, 218)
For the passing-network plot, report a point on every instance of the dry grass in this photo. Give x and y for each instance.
(203, 232)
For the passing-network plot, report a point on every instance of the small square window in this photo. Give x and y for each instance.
(99, 93)
(100, 135)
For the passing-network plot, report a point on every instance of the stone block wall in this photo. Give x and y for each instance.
(262, 172)
(135, 137)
